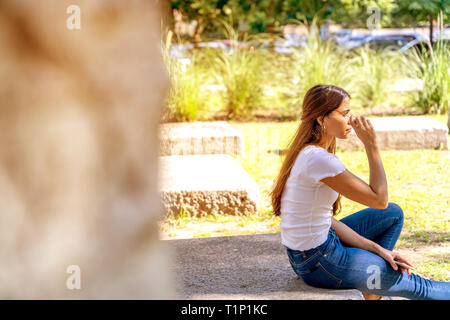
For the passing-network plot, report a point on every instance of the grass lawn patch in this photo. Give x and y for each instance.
(418, 181)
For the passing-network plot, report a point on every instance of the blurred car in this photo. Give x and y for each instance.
(341, 36)
(290, 45)
(178, 51)
(418, 45)
(352, 41)
(279, 46)
(422, 46)
(292, 40)
(183, 51)
(391, 42)
(233, 45)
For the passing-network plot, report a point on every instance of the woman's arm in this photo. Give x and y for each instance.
(352, 239)
(378, 181)
(374, 194)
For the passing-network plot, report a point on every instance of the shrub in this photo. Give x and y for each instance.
(433, 68)
(185, 100)
(373, 74)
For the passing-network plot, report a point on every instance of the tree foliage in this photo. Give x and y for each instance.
(354, 13)
(204, 12)
(420, 11)
(268, 15)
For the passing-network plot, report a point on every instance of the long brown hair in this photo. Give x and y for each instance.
(318, 102)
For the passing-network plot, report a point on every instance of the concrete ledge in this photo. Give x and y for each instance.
(402, 133)
(214, 137)
(253, 267)
(207, 184)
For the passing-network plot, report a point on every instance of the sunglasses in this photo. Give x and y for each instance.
(346, 116)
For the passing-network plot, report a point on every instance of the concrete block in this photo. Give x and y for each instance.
(250, 267)
(215, 137)
(402, 133)
(207, 184)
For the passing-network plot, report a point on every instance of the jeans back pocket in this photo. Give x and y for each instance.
(301, 264)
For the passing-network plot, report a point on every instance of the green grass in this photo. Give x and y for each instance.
(418, 181)
(434, 267)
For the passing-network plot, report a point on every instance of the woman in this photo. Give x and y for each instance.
(355, 252)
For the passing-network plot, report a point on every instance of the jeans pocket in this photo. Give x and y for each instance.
(304, 265)
(318, 276)
(298, 260)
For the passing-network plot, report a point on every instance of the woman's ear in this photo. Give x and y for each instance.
(320, 121)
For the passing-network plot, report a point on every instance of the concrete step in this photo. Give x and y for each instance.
(207, 184)
(252, 267)
(402, 133)
(212, 137)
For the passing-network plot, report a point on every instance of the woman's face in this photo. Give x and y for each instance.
(337, 123)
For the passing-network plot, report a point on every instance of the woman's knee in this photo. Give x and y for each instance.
(395, 210)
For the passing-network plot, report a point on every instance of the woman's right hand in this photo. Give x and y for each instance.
(391, 257)
(364, 130)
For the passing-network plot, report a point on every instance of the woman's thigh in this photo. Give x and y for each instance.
(371, 223)
(353, 268)
(361, 269)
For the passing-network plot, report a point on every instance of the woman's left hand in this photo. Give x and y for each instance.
(391, 257)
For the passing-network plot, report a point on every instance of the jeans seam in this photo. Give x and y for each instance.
(307, 260)
(343, 267)
(324, 256)
(328, 250)
(338, 266)
(339, 281)
(329, 247)
(310, 258)
(381, 223)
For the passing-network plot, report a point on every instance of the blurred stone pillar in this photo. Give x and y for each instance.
(81, 92)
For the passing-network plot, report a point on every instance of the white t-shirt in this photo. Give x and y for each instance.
(306, 202)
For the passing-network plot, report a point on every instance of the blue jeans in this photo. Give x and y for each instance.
(333, 265)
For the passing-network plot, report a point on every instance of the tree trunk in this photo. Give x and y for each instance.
(197, 33)
(271, 31)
